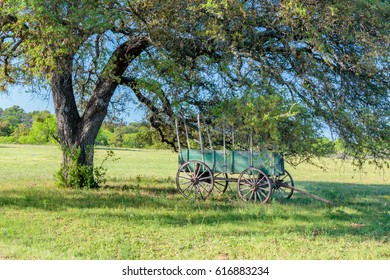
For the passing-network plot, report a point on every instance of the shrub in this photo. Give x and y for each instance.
(7, 140)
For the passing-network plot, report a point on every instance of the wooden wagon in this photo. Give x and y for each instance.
(259, 175)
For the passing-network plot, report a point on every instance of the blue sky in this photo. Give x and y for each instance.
(26, 101)
(29, 102)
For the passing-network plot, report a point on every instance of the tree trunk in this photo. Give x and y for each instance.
(75, 139)
(77, 134)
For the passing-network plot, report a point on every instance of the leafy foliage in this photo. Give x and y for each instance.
(17, 126)
(73, 174)
(313, 65)
(79, 175)
(133, 135)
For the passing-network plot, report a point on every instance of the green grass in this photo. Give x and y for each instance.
(139, 214)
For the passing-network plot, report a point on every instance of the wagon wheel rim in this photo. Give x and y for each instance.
(280, 192)
(195, 180)
(222, 184)
(254, 185)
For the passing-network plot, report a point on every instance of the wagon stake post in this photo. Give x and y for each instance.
(306, 193)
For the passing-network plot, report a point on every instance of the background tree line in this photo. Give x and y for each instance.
(17, 126)
(39, 127)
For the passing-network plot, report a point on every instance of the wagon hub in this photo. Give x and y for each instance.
(194, 181)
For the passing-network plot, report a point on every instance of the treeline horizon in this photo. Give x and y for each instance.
(39, 128)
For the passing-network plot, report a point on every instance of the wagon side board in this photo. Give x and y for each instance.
(235, 162)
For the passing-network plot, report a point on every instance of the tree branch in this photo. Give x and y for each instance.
(124, 54)
(155, 117)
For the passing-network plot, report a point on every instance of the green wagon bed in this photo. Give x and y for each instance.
(234, 162)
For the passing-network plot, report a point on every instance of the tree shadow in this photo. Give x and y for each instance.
(105, 148)
(361, 210)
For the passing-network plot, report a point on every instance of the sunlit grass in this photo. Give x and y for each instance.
(138, 214)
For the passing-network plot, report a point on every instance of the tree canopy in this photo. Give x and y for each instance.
(304, 66)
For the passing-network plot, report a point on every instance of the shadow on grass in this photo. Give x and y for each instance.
(362, 209)
(104, 148)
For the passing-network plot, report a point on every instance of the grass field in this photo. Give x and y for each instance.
(139, 214)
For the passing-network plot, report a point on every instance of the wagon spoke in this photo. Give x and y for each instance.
(200, 176)
(202, 184)
(250, 198)
(205, 178)
(254, 185)
(206, 187)
(200, 192)
(186, 185)
(258, 195)
(265, 184)
(190, 185)
(253, 179)
(261, 192)
(221, 182)
(282, 179)
(197, 170)
(188, 174)
(244, 195)
(245, 190)
(249, 182)
(206, 190)
(244, 185)
(188, 192)
(194, 179)
(262, 180)
(282, 193)
(185, 178)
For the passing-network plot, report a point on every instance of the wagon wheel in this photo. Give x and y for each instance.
(254, 185)
(280, 192)
(195, 179)
(221, 182)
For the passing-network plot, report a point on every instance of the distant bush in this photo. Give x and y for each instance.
(7, 140)
(130, 140)
(325, 146)
(103, 137)
(133, 135)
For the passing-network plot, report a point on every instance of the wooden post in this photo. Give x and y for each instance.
(251, 149)
(188, 139)
(233, 138)
(209, 137)
(224, 148)
(200, 138)
(178, 141)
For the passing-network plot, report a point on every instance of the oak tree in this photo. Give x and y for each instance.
(322, 62)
